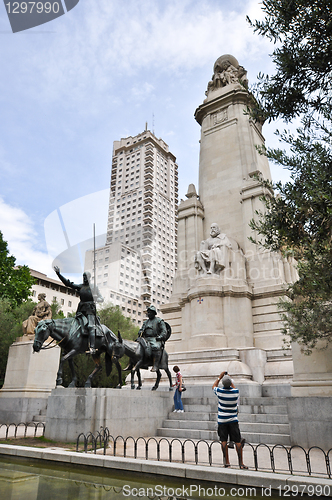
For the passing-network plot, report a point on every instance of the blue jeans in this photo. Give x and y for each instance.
(177, 400)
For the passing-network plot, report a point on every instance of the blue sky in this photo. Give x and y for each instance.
(74, 85)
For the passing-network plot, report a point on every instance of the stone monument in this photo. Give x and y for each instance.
(28, 382)
(40, 312)
(29, 379)
(223, 310)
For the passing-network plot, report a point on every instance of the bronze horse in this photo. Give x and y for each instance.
(67, 332)
(137, 359)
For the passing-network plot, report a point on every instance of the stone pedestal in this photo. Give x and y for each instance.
(310, 421)
(312, 374)
(258, 372)
(124, 412)
(30, 378)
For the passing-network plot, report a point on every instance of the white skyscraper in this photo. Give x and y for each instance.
(138, 262)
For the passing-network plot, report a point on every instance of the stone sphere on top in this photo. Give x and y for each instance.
(226, 58)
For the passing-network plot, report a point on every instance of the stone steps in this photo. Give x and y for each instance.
(273, 418)
(40, 418)
(189, 424)
(262, 420)
(194, 416)
(211, 400)
(187, 433)
(264, 428)
(271, 439)
(263, 409)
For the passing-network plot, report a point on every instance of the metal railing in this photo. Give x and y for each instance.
(262, 457)
(259, 457)
(12, 429)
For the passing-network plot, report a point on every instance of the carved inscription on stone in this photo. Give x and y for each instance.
(219, 116)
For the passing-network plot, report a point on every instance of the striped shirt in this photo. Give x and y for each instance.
(227, 404)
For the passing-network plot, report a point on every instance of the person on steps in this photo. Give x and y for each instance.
(228, 424)
(178, 406)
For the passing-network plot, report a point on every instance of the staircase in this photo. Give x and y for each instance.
(41, 417)
(262, 420)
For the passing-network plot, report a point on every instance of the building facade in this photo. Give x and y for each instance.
(54, 290)
(138, 261)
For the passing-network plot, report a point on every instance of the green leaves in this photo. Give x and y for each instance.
(11, 318)
(15, 282)
(302, 32)
(298, 219)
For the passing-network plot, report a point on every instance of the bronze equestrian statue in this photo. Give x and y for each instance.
(87, 306)
(148, 350)
(67, 332)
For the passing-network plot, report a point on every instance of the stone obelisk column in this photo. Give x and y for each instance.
(228, 155)
(226, 290)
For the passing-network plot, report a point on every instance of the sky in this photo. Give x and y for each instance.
(98, 73)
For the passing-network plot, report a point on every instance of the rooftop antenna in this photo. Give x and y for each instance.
(153, 123)
(146, 126)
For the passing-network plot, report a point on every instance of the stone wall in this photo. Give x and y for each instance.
(30, 378)
(310, 421)
(124, 412)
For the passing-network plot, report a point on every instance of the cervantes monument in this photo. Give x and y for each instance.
(223, 310)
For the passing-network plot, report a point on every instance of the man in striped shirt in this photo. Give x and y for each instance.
(228, 424)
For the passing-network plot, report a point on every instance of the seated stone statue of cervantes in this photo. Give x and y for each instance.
(213, 254)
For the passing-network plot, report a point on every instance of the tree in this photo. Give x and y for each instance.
(15, 282)
(57, 313)
(302, 30)
(298, 220)
(11, 318)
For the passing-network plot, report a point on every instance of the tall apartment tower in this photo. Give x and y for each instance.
(141, 240)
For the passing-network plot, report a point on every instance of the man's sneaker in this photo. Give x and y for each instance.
(180, 411)
(175, 411)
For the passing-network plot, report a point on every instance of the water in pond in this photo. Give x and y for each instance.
(21, 479)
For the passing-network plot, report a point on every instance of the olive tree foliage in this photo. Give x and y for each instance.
(298, 219)
(302, 32)
(113, 318)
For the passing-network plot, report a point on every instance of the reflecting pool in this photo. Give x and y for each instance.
(21, 479)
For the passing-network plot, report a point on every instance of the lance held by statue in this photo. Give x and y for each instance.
(153, 335)
(86, 311)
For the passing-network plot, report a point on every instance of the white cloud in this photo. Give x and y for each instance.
(142, 92)
(6, 168)
(105, 42)
(19, 232)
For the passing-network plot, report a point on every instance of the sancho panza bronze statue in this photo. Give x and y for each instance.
(87, 305)
(155, 333)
